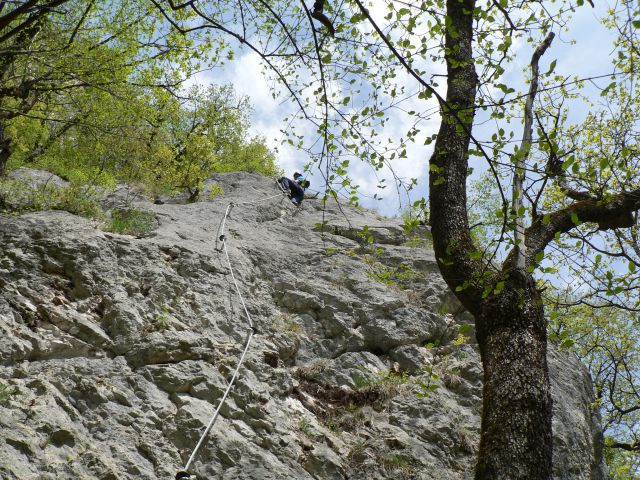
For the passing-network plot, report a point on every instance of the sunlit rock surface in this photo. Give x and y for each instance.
(115, 349)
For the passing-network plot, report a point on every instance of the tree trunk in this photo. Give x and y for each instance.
(5, 149)
(515, 438)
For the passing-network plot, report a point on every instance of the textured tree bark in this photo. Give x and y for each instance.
(515, 438)
(515, 433)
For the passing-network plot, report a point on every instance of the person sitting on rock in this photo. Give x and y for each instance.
(294, 188)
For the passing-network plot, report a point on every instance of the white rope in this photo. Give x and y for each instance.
(246, 348)
(260, 200)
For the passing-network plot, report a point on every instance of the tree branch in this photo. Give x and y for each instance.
(456, 254)
(630, 447)
(617, 212)
(523, 154)
(36, 15)
(318, 14)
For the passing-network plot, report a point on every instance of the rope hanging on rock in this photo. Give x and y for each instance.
(183, 474)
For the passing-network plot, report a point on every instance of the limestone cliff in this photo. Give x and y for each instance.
(114, 349)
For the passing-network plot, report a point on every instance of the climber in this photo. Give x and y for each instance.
(294, 188)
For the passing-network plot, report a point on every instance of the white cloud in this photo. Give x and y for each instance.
(245, 73)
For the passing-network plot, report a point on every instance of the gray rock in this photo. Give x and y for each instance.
(115, 350)
(37, 178)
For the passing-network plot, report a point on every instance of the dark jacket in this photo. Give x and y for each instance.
(296, 192)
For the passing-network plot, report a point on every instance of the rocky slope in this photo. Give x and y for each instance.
(114, 349)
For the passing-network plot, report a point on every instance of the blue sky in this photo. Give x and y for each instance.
(583, 50)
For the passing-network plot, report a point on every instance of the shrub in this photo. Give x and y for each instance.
(132, 221)
(401, 275)
(19, 196)
(215, 190)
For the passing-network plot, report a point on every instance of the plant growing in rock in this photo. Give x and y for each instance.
(350, 419)
(417, 214)
(6, 393)
(397, 465)
(132, 221)
(215, 191)
(304, 425)
(429, 383)
(379, 387)
(162, 320)
(440, 370)
(308, 372)
(285, 323)
(19, 196)
(416, 240)
(402, 275)
(357, 452)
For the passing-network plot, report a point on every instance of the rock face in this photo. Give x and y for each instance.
(114, 350)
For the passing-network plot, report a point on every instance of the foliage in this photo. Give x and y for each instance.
(166, 144)
(132, 221)
(417, 240)
(215, 190)
(401, 275)
(56, 52)
(444, 350)
(622, 464)
(413, 218)
(96, 95)
(573, 181)
(162, 320)
(6, 392)
(569, 181)
(304, 425)
(20, 196)
(607, 341)
(417, 214)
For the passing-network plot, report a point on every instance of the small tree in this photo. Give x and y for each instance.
(59, 59)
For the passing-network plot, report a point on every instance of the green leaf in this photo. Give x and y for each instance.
(539, 257)
(465, 328)
(607, 88)
(574, 218)
(604, 163)
(552, 67)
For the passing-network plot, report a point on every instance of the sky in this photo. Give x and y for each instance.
(583, 49)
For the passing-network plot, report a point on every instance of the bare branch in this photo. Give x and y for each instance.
(523, 154)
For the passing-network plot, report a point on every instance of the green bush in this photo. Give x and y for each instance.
(215, 191)
(132, 221)
(19, 196)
